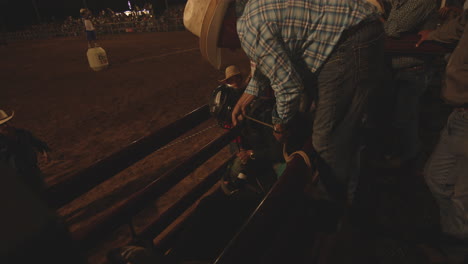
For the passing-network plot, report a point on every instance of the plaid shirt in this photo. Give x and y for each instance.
(280, 35)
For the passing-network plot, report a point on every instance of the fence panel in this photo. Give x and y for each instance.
(48, 31)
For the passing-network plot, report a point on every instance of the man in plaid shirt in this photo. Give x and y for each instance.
(336, 43)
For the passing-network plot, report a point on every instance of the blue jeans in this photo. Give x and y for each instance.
(446, 174)
(344, 84)
(409, 86)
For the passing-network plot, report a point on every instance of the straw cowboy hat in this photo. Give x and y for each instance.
(4, 117)
(231, 71)
(205, 19)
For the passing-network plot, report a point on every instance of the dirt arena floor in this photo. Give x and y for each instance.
(153, 80)
(84, 115)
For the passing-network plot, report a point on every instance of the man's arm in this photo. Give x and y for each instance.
(408, 16)
(256, 85)
(274, 62)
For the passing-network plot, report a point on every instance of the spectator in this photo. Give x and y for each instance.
(446, 170)
(410, 75)
(19, 147)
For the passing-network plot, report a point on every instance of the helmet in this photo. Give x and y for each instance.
(222, 102)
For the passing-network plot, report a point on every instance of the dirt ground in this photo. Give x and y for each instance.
(84, 115)
(153, 80)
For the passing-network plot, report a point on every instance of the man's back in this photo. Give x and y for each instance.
(309, 29)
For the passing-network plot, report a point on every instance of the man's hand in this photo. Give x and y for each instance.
(424, 36)
(239, 110)
(280, 133)
(445, 11)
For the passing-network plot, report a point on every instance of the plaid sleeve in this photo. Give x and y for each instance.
(256, 82)
(274, 62)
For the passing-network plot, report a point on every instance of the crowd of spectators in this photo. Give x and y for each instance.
(108, 21)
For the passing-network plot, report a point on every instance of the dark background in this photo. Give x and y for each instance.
(19, 14)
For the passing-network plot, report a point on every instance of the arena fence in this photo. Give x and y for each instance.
(54, 31)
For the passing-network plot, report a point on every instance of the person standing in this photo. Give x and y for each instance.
(410, 75)
(340, 43)
(89, 27)
(446, 171)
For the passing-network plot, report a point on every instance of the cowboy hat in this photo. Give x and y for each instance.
(231, 71)
(4, 117)
(205, 18)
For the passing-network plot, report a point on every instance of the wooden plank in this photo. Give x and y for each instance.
(69, 187)
(124, 210)
(164, 220)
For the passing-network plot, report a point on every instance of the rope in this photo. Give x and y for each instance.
(289, 157)
(258, 121)
(306, 159)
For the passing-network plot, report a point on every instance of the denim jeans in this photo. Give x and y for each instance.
(409, 86)
(344, 84)
(446, 174)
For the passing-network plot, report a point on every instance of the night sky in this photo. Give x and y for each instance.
(18, 14)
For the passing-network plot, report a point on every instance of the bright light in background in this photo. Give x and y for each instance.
(139, 13)
(129, 5)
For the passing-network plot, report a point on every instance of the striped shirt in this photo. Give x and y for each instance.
(280, 35)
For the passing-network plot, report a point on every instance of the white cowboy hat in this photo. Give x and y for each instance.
(231, 71)
(4, 117)
(204, 18)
